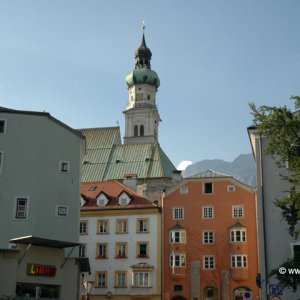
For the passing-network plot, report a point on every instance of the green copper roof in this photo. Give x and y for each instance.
(106, 160)
(143, 75)
(142, 72)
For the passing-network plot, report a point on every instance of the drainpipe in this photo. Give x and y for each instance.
(263, 217)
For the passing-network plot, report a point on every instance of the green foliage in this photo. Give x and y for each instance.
(285, 278)
(282, 128)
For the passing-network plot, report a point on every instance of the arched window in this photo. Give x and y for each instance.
(210, 293)
(136, 129)
(142, 130)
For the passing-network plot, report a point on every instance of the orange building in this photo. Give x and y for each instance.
(210, 239)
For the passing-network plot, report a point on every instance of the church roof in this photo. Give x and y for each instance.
(106, 158)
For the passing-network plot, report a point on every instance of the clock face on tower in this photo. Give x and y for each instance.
(139, 97)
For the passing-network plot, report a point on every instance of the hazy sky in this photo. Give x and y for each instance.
(70, 58)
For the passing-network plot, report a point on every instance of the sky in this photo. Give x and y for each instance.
(213, 57)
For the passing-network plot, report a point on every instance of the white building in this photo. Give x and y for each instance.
(40, 161)
(275, 243)
(121, 234)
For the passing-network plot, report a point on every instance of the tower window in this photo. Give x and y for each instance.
(136, 129)
(142, 130)
(148, 97)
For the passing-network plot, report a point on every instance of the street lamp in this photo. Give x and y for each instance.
(88, 286)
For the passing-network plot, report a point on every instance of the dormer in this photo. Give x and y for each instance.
(124, 199)
(102, 199)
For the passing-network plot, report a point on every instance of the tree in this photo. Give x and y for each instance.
(281, 127)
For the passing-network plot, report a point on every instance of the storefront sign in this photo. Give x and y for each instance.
(41, 270)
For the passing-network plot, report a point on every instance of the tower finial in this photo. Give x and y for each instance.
(143, 26)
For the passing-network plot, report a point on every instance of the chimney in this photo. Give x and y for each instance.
(130, 180)
(177, 175)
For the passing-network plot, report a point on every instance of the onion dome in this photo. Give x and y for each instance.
(142, 74)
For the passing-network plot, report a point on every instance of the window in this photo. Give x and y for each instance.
(21, 208)
(62, 211)
(208, 262)
(64, 166)
(178, 237)
(239, 261)
(1, 161)
(238, 211)
(83, 227)
(207, 212)
(102, 200)
(237, 235)
(141, 279)
(178, 213)
(208, 237)
(92, 188)
(136, 130)
(124, 199)
(120, 279)
(178, 288)
(121, 250)
(101, 250)
(230, 188)
(184, 190)
(142, 225)
(122, 226)
(82, 251)
(142, 130)
(148, 97)
(102, 226)
(2, 126)
(142, 249)
(207, 188)
(101, 279)
(296, 252)
(177, 260)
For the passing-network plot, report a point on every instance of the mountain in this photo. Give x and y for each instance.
(243, 168)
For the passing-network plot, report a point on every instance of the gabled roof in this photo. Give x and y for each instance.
(113, 189)
(106, 158)
(210, 174)
(41, 114)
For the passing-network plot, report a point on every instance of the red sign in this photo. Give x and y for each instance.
(41, 270)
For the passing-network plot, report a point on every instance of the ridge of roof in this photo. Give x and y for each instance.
(44, 114)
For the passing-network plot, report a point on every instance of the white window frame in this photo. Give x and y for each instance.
(239, 261)
(177, 260)
(103, 283)
(5, 126)
(238, 235)
(122, 226)
(62, 211)
(82, 250)
(231, 188)
(184, 190)
(104, 225)
(121, 279)
(208, 237)
(142, 225)
(102, 250)
(83, 227)
(238, 211)
(177, 236)
(141, 279)
(178, 213)
(102, 200)
(62, 164)
(25, 210)
(209, 262)
(124, 199)
(208, 212)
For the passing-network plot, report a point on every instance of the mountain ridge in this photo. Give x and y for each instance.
(242, 168)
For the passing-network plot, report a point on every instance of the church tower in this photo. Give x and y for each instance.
(141, 115)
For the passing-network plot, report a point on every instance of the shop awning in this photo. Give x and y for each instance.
(37, 241)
